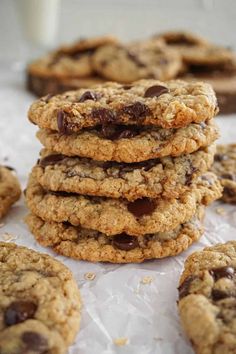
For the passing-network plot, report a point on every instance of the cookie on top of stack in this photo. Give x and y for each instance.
(123, 176)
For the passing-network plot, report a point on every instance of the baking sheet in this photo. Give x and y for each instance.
(126, 308)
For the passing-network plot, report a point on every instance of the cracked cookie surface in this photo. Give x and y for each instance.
(39, 303)
(114, 216)
(93, 246)
(130, 144)
(168, 177)
(170, 104)
(207, 294)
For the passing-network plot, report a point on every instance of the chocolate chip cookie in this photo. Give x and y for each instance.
(9, 189)
(167, 177)
(171, 104)
(69, 67)
(39, 303)
(130, 143)
(225, 168)
(93, 246)
(207, 299)
(115, 216)
(181, 39)
(140, 60)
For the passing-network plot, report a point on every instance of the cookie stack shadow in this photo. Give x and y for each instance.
(123, 176)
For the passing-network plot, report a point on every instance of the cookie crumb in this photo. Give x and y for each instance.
(89, 276)
(220, 211)
(120, 342)
(147, 280)
(8, 237)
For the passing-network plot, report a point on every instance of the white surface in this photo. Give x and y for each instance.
(116, 304)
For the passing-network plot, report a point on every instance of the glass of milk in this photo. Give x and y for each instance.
(39, 20)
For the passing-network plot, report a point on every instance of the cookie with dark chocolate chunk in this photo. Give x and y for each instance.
(171, 104)
(207, 299)
(34, 289)
(225, 168)
(94, 246)
(166, 177)
(66, 68)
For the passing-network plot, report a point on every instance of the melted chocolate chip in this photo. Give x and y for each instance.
(140, 207)
(19, 311)
(229, 176)
(129, 167)
(155, 91)
(62, 194)
(185, 286)
(136, 110)
(62, 123)
(104, 115)
(125, 242)
(229, 192)
(220, 157)
(189, 175)
(223, 272)
(135, 59)
(34, 342)
(218, 295)
(88, 95)
(115, 132)
(127, 87)
(77, 54)
(51, 160)
(10, 168)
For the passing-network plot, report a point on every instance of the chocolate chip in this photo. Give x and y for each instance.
(218, 295)
(77, 54)
(51, 159)
(10, 168)
(136, 110)
(220, 157)
(113, 132)
(140, 207)
(222, 272)
(135, 59)
(62, 194)
(88, 95)
(125, 242)
(62, 123)
(229, 176)
(185, 286)
(34, 342)
(19, 311)
(229, 192)
(127, 87)
(104, 115)
(189, 174)
(155, 91)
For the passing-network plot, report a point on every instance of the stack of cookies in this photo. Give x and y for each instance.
(123, 176)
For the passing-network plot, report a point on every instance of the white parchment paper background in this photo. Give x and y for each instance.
(116, 303)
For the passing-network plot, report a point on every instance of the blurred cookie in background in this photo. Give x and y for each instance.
(67, 68)
(138, 60)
